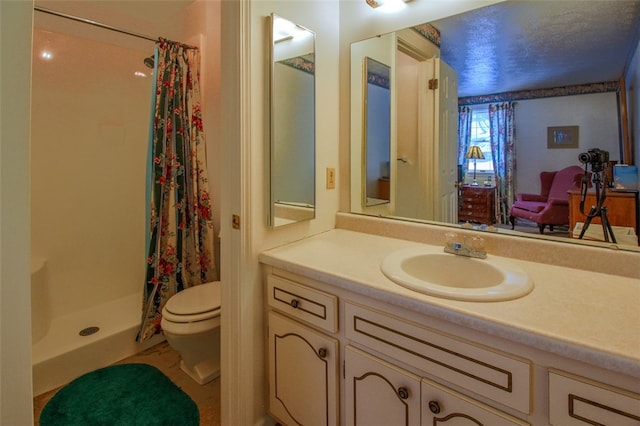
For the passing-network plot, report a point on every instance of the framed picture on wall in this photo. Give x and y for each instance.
(562, 137)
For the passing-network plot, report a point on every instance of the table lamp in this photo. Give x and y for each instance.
(476, 154)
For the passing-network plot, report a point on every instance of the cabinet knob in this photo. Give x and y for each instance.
(434, 407)
(322, 353)
(294, 303)
(403, 393)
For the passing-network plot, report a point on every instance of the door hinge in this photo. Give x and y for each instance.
(344, 372)
(433, 84)
(235, 221)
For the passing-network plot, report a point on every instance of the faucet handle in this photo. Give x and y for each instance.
(450, 239)
(477, 243)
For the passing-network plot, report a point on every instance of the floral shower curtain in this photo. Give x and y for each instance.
(503, 149)
(464, 138)
(179, 233)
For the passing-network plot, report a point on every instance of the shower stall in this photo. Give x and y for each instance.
(91, 93)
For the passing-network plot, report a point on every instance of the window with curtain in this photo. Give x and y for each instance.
(480, 136)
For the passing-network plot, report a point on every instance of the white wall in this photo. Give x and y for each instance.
(89, 120)
(596, 115)
(321, 17)
(15, 319)
(245, 83)
(15, 38)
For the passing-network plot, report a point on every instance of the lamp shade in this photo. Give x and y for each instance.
(475, 153)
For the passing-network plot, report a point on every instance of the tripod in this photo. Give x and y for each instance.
(599, 209)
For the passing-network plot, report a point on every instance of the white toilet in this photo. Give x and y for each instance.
(191, 324)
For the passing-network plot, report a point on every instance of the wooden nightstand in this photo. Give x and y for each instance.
(477, 204)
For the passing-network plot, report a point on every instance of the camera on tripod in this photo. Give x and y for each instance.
(596, 157)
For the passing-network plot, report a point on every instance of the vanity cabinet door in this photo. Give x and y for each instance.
(443, 406)
(303, 374)
(378, 393)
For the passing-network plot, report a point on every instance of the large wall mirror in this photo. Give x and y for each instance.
(529, 53)
(292, 123)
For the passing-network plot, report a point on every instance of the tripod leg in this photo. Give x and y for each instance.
(606, 227)
(587, 222)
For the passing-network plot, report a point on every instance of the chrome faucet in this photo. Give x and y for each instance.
(475, 249)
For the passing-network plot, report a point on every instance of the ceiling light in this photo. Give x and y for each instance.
(46, 55)
(284, 30)
(387, 5)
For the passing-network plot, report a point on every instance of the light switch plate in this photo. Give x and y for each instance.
(331, 178)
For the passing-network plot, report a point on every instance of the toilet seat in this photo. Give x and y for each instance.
(197, 303)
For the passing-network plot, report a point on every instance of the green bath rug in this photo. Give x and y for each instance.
(121, 395)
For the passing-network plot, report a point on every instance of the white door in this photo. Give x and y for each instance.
(408, 184)
(439, 134)
(447, 142)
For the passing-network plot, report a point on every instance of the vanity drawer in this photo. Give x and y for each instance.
(575, 400)
(500, 377)
(304, 303)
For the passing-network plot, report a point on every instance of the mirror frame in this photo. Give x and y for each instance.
(292, 211)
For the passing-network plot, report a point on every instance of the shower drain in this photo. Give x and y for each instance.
(89, 331)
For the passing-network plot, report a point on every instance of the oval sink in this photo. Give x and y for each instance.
(436, 273)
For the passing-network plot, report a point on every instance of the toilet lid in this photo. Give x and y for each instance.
(196, 300)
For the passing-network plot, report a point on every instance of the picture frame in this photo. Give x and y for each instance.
(562, 137)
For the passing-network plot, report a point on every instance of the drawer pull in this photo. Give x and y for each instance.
(403, 393)
(434, 407)
(322, 353)
(294, 303)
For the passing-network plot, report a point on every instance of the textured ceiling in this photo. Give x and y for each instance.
(518, 45)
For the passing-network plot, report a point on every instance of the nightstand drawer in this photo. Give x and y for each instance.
(575, 400)
(304, 303)
(480, 197)
(477, 209)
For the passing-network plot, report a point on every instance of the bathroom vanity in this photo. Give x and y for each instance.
(346, 345)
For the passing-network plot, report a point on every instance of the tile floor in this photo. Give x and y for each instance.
(161, 356)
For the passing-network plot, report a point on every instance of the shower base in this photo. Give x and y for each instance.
(62, 354)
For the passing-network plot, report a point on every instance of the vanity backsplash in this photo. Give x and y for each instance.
(579, 256)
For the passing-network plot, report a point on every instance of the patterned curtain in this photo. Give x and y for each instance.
(179, 234)
(464, 138)
(503, 149)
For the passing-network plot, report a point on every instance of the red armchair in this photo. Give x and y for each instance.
(551, 206)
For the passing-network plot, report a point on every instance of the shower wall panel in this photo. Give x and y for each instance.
(90, 114)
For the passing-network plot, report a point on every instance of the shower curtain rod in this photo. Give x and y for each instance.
(98, 24)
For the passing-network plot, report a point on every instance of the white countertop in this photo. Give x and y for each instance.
(587, 316)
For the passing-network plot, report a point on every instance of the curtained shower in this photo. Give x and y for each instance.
(179, 228)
